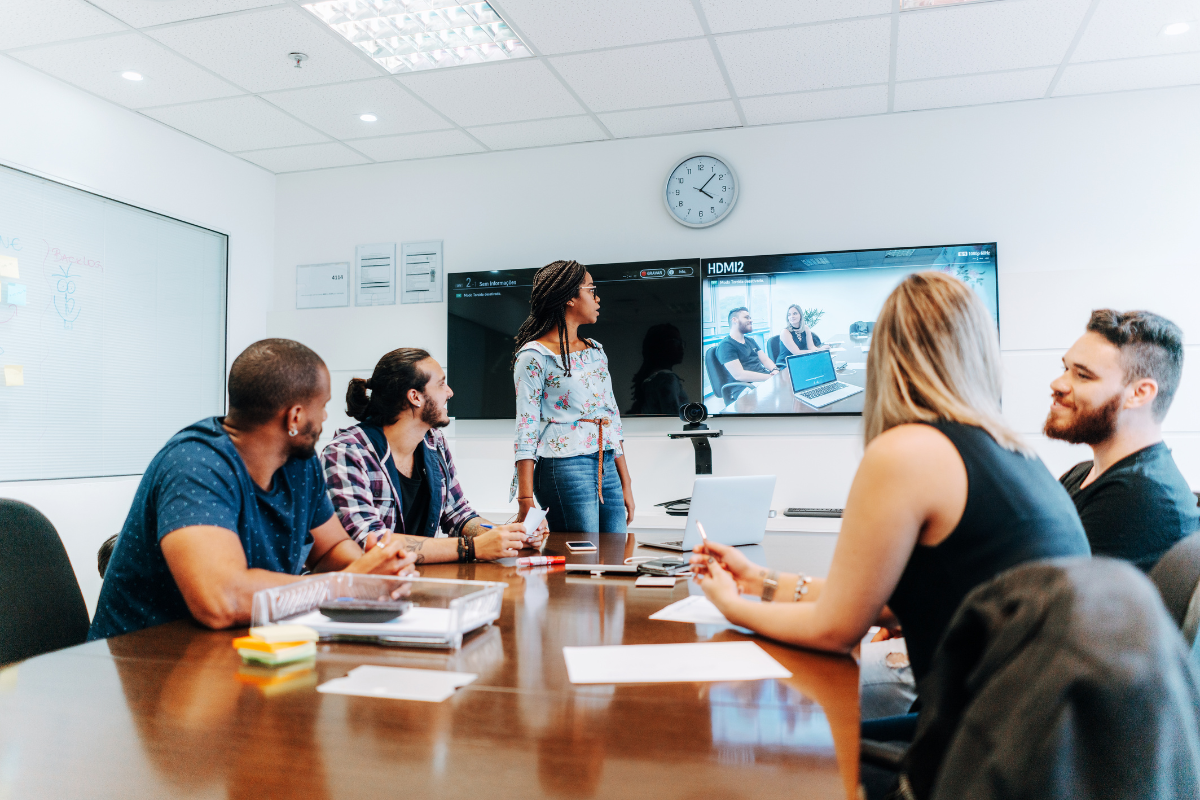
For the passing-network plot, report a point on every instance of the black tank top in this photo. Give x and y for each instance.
(1016, 512)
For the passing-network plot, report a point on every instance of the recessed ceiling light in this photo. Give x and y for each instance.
(368, 117)
(131, 76)
(415, 35)
(1176, 28)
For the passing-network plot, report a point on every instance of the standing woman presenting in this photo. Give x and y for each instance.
(569, 451)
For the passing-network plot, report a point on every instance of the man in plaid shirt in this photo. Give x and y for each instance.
(393, 471)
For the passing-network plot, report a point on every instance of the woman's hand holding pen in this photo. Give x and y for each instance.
(744, 573)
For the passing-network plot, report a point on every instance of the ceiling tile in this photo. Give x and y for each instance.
(986, 37)
(305, 156)
(417, 145)
(813, 57)
(336, 109)
(679, 119)
(497, 92)
(240, 123)
(825, 104)
(96, 65)
(564, 26)
(41, 21)
(743, 15)
(538, 133)
(140, 13)
(1125, 30)
(972, 90)
(1137, 73)
(651, 75)
(251, 49)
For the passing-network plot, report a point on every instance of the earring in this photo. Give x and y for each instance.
(292, 432)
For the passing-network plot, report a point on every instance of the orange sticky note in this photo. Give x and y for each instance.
(8, 267)
(14, 375)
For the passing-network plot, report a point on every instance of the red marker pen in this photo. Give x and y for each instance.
(540, 561)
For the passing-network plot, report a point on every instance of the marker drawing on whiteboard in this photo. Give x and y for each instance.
(66, 306)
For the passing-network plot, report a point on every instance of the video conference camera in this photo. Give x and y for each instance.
(694, 415)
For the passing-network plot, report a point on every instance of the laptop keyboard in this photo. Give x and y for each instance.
(813, 394)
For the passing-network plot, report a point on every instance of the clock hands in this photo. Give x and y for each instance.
(706, 183)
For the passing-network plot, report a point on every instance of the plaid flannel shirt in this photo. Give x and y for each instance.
(363, 495)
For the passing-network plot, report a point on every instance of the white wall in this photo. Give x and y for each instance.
(62, 133)
(1093, 200)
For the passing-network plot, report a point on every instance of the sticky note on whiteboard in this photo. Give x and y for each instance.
(8, 267)
(15, 294)
(14, 375)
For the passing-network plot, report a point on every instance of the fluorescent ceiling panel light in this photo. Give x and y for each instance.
(1176, 28)
(912, 5)
(131, 76)
(368, 117)
(416, 35)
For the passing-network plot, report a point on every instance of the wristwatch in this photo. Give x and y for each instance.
(770, 584)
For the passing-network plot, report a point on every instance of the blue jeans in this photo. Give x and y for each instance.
(567, 488)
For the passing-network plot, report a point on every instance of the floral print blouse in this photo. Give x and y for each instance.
(550, 404)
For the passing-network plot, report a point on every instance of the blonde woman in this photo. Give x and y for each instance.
(946, 497)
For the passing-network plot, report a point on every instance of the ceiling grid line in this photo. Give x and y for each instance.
(893, 52)
(1066, 60)
(716, 51)
(537, 54)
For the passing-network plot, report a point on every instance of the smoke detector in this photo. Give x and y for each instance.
(297, 59)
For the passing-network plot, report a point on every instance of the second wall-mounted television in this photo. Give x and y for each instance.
(811, 314)
(649, 322)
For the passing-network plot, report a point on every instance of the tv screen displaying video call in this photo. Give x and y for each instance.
(749, 335)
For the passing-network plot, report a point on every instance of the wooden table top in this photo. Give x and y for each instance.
(171, 712)
(775, 396)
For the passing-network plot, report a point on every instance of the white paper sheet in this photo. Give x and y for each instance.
(696, 608)
(398, 683)
(671, 663)
(533, 519)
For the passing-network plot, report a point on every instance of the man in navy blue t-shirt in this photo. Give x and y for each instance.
(236, 504)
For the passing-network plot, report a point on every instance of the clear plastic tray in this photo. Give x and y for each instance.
(443, 611)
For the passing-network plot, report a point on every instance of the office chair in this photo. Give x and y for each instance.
(775, 351)
(861, 331)
(1177, 576)
(41, 607)
(720, 379)
(1039, 689)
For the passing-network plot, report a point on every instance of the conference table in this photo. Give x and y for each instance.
(171, 711)
(775, 395)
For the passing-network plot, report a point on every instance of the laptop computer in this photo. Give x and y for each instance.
(734, 511)
(814, 380)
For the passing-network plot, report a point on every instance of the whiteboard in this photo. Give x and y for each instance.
(117, 325)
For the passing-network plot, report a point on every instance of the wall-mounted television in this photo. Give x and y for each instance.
(649, 322)
(753, 307)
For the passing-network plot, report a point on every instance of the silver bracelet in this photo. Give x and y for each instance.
(801, 588)
(770, 584)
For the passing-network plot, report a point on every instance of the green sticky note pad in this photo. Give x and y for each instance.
(15, 294)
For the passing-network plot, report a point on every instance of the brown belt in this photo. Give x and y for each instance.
(600, 424)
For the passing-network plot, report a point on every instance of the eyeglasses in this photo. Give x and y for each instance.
(591, 287)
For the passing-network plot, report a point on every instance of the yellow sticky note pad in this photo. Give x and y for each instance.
(8, 267)
(14, 375)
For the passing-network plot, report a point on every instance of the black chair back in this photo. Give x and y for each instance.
(1177, 576)
(41, 607)
(720, 379)
(774, 348)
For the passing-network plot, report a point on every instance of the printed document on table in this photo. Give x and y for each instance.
(697, 608)
(398, 683)
(671, 663)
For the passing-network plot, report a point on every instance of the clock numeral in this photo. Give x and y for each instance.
(680, 180)
(681, 204)
(689, 171)
(712, 210)
(676, 191)
(720, 177)
(724, 188)
(722, 200)
(701, 215)
(700, 167)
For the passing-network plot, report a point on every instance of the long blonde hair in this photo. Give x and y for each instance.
(935, 356)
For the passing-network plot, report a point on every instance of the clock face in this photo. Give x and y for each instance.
(701, 191)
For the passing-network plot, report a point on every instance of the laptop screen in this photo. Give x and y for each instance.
(811, 369)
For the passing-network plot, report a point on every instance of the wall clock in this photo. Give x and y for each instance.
(700, 191)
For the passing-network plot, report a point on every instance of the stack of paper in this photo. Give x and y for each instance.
(398, 683)
(670, 663)
(697, 608)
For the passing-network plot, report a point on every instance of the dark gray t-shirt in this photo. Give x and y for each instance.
(1137, 508)
(745, 352)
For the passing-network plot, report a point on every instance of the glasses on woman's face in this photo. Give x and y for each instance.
(591, 287)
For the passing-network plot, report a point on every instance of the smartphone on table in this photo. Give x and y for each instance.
(581, 547)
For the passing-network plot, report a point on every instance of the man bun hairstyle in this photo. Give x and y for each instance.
(380, 400)
(271, 375)
(1151, 347)
(554, 285)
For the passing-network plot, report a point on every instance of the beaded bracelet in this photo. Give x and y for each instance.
(801, 588)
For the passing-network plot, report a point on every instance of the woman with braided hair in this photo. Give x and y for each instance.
(569, 454)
